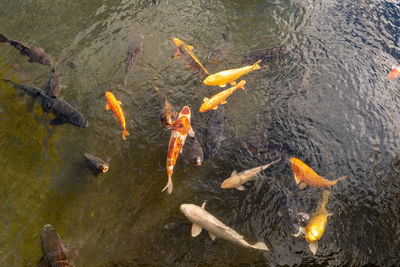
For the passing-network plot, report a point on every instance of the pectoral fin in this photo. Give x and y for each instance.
(222, 85)
(196, 230)
(314, 247)
(203, 205)
(330, 214)
(301, 231)
(233, 173)
(211, 236)
(191, 132)
(119, 102)
(296, 179)
(303, 185)
(177, 54)
(190, 47)
(57, 121)
(240, 187)
(205, 99)
(233, 83)
(108, 107)
(223, 102)
(215, 108)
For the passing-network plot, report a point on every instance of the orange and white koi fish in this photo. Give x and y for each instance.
(304, 175)
(186, 51)
(178, 136)
(316, 226)
(394, 72)
(229, 76)
(220, 98)
(115, 106)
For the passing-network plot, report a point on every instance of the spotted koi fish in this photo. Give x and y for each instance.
(180, 130)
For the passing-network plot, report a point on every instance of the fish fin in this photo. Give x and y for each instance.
(233, 173)
(256, 66)
(108, 107)
(303, 185)
(215, 108)
(233, 83)
(196, 230)
(212, 236)
(177, 54)
(3, 38)
(301, 230)
(222, 85)
(260, 245)
(190, 47)
(241, 84)
(119, 102)
(341, 178)
(72, 251)
(314, 247)
(303, 216)
(224, 102)
(205, 99)
(191, 132)
(124, 133)
(296, 179)
(169, 185)
(57, 121)
(240, 188)
(330, 214)
(203, 205)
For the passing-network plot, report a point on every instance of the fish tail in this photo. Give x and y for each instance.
(256, 66)
(125, 132)
(125, 80)
(325, 196)
(241, 84)
(169, 185)
(337, 180)
(260, 245)
(3, 38)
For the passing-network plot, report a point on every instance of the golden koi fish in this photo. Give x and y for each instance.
(178, 136)
(229, 76)
(220, 98)
(304, 175)
(115, 106)
(186, 51)
(316, 226)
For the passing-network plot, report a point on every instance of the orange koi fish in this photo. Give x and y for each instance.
(186, 51)
(304, 175)
(229, 76)
(180, 130)
(115, 106)
(220, 98)
(394, 72)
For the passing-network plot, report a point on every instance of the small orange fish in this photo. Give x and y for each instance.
(180, 130)
(304, 175)
(394, 72)
(229, 76)
(115, 106)
(186, 51)
(220, 98)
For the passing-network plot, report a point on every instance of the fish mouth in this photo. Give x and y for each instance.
(177, 42)
(185, 110)
(105, 169)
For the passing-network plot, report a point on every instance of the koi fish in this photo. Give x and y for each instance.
(214, 133)
(394, 72)
(178, 136)
(191, 61)
(193, 152)
(53, 86)
(202, 219)
(238, 179)
(304, 175)
(220, 98)
(220, 52)
(35, 54)
(265, 55)
(294, 216)
(167, 114)
(134, 50)
(229, 76)
(96, 164)
(316, 226)
(115, 106)
(55, 253)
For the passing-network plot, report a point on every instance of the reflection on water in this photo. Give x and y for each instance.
(326, 101)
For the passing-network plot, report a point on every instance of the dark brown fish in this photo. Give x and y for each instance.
(193, 152)
(266, 55)
(55, 253)
(134, 50)
(35, 54)
(167, 113)
(53, 86)
(221, 51)
(96, 164)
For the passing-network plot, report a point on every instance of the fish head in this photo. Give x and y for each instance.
(185, 111)
(51, 241)
(177, 43)
(228, 183)
(210, 80)
(191, 211)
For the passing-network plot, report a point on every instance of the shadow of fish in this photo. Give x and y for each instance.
(266, 55)
(64, 112)
(214, 134)
(221, 51)
(55, 253)
(192, 152)
(178, 228)
(35, 54)
(96, 164)
(53, 86)
(134, 49)
(30, 90)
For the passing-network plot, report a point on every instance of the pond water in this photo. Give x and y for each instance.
(325, 100)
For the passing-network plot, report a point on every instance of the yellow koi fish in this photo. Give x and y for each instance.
(220, 98)
(186, 51)
(229, 76)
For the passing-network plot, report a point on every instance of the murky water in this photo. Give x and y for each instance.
(342, 120)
